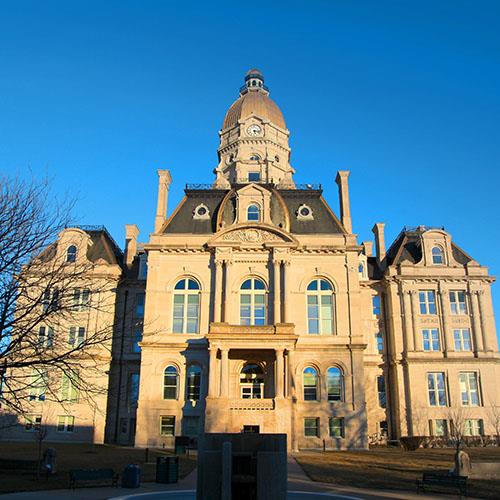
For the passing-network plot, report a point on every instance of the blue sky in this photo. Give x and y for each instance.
(98, 95)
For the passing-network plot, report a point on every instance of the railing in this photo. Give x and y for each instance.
(303, 187)
(251, 404)
(200, 187)
(309, 187)
(422, 228)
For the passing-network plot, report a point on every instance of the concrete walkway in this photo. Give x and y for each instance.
(298, 483)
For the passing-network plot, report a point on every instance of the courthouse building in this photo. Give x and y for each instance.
(253, 307)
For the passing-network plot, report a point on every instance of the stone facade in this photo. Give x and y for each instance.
(261, 312)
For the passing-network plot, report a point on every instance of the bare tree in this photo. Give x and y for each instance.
(42, 291)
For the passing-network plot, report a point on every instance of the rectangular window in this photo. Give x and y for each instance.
(33, 422)
(139, 305)
(462, 341)
(143, 267)
(137, 338)
(458, 302)
(473, 427)
(376, 305)
(469, 389)
(436, 388)
(69, 387)
(133, 389)
(50, 300)
(439, 427)
(380, 342)
(76, 336)
(427, 301)
(311, 427)
(167, 425)
(38, 385)
(45, 337)
(253, 176)
(65, 423)
(336, 427)
(430, 340)
(382, 398)
(313, 314)
(81, 299)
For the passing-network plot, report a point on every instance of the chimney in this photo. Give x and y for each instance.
(131, 233)
(368, 248)
(345, 207)
(164, 181)
(378, 231)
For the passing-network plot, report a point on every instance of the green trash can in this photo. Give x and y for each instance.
(167, 470)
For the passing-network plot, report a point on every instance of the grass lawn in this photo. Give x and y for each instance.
(79, 456)
(393, 468)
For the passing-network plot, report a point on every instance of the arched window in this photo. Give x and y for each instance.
(253, 302)
(254, 157)
(437, 255)
(193, 383)
(71, 254)
(186, 306)
(335, 384)
(320, 307)
(170, 382)
(253, 213)
(252, 382)
(310, 384)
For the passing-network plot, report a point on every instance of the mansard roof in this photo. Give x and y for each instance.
(407, 247)
(324, 220)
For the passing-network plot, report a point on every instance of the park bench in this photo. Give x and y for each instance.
(92, 476)
(443, 479)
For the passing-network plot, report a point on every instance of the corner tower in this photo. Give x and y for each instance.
(254, 139)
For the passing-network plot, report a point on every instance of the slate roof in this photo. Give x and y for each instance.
(407, 248)
(324, 222)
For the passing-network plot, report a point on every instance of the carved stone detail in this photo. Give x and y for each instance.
(251, 236)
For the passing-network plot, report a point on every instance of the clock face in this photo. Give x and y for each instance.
(254, 130)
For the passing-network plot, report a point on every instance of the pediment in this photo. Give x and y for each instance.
(251, 235)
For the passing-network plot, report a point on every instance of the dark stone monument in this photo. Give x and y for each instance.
(242, 467)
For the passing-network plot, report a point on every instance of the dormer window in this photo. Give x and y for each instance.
(71, 253)
(253, 213)
(253, 176)
(437, 255)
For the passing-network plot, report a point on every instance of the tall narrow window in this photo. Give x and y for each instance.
(336, 427)
(170, 382)
(436, 388)
(334, 384)
(193, 383)
(310, 380)
(462, 341)
(186, 306)
(427, 300)
(69, 387)
(437, 255)
(458, 302)
(71, 253)
(382, 396)
(320, 307)
(430, 340)
(139, 305)
(376, 305)
(137, 338)
(133, 388)
(469, 389)
(253, 302)
(253, 213)
(379, 339)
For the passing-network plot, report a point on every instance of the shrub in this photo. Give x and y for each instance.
(412, 443)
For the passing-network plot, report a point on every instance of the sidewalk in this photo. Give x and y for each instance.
(188, 483)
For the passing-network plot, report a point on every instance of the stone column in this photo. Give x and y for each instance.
(224, 381)
(227, 288)
(417, 342)
(410, 346)
(286, 292)
(445, 314)
(279, 376)
(277, 291)
(483, 310)
(213, 374)
(218, 291)
(164, 180)
(476, 322)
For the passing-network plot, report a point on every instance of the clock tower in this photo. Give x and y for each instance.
(254, 139)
